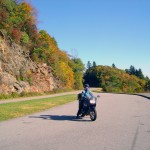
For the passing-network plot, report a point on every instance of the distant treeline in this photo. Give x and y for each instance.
(112, 79)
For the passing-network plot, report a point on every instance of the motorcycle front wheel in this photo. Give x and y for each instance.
(93, 114)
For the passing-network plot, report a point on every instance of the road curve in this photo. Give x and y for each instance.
(123, 123)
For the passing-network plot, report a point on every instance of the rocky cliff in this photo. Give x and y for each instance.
(19, 73)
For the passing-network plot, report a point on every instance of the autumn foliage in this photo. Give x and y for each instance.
(18, 22)
(113, 80)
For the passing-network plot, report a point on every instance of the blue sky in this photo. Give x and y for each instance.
(104, 31)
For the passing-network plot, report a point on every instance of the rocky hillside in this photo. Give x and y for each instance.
(19, 73)
(30, 59)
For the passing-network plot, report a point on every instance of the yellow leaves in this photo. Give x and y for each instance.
(20, 24)
(63, 56)
(56, 58)
(46, 39)
(67, 74)
(107, 77)
(26, 7)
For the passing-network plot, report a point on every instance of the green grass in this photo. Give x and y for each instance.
(18, 109)
(16, 95)
(31, 94)
(98, 90)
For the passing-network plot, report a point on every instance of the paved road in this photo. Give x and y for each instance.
(123, 124)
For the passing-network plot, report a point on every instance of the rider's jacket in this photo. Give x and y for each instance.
(86, 94)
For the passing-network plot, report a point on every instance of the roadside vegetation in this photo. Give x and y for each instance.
(97, 90)
(31, 94)
(18, 24)
(18, 109)
(112, 79)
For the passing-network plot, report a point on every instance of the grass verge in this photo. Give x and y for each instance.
(18, 109)
(31, 94)
(98, 90)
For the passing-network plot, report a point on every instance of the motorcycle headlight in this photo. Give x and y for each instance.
(92, 101)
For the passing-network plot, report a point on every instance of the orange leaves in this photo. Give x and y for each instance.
(16, 34)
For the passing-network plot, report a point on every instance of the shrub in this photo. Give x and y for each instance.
(25, 38)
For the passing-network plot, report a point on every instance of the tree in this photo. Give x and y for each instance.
(89, 65)
(113, 65)
(25, 38)
(132, 70)
(17, 18)
(113, 80)
(139, 74)
(66, 76)
(92, 77)
(78, 67)
(147, 86)
(94, 64)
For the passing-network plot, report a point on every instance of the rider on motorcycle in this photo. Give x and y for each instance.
(86, 96)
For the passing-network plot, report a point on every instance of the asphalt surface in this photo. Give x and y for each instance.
(123, 123)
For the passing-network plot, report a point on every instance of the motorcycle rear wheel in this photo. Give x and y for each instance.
(93, 114)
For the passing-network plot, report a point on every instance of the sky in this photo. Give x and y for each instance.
(104, 31)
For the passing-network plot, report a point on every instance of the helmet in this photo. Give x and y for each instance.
(86, 86)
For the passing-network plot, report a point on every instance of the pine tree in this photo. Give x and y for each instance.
(89, 65)
(140, 74)
(113, 65)
(132, 70)
(94, 64)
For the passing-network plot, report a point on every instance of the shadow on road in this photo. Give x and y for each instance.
(60, 118)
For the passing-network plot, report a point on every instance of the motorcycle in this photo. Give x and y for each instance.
(89, 108)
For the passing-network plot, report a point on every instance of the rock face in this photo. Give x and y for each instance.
(19, 73)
